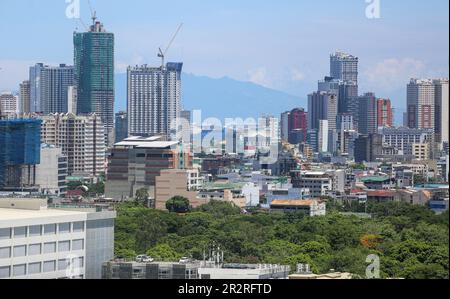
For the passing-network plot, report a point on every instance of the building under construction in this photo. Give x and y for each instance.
(20, 145)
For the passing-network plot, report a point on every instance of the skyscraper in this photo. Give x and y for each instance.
(421, 104)
(49, 88)
(367, 114)
(345, 90)
(385, 113)
(298, 125)
(82, 140)
(25, 97)
(322, 106)
(154, 99)
(344, 67)
(284, 125)
(94, 74)
(441, 109)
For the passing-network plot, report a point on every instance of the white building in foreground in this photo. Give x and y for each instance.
(37, 242)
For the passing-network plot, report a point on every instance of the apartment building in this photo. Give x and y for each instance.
(51, 174)
(82, 140)
(319, 183)
(38, 242)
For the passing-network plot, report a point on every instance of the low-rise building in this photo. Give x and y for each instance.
(309, 207)
(51, 243)
(319, 183)
(154, 270)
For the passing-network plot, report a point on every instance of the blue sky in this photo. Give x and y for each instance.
(282, 44)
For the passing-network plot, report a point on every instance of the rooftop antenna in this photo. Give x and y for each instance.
(162, 54)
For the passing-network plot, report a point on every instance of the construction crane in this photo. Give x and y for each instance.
(93, 13)
(162, 54)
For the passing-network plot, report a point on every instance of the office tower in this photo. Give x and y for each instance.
(284, 125)
(121, 130)
(344, 67)
(421, 104)
(52, 172)
(154, 99)
(368, 148)
(345, 90)
(49, 88)
(345, 122)
(82, 140)
(441, 109)
(9, 103)
(367, 114)
(94, 74)
(385, 113)
(135, 163)
(72, 98)
(346, 134)
(19, 153)
(25, 97)
(41, 242)
(322, 106)
(298, 124)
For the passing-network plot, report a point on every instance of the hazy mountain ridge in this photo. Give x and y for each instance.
(224, 97)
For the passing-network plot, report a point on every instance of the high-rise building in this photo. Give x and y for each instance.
(25, 97)
(344, 67)
(345, 90)
(322, 106)
(385, 114)
(72, 99)
(82, 140)
(367, 114)
(284, 125)
(402, 139)
(441, 109)
(368, 148)
(323, 135)
(9, 103)
(421, 104)
(94, 74)
(154, 99)
(121, 126)
(298, 123)
(19, 152)
(49, 88)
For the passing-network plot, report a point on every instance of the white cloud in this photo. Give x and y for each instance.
(259, 76)
(297, 75)
(390, 74)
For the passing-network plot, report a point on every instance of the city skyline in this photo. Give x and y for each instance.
(284, 60)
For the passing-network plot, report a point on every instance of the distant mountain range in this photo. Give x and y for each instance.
(224, 97)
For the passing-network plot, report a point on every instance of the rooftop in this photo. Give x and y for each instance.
(294, 202)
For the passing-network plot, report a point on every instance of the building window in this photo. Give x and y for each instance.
(19, 270)
(5, 252)
(49, 266)
(20, 251)
(34, 268)
(63, 264)
(50, 247)
(64, 228)
(5, 272)
(20, 232)
(78, 227)
(50, 229)
(64, 246)
(5, 233)
(34, 249)
(78, 244)
(35, 231)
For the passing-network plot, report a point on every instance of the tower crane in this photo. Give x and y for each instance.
(162, 54)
